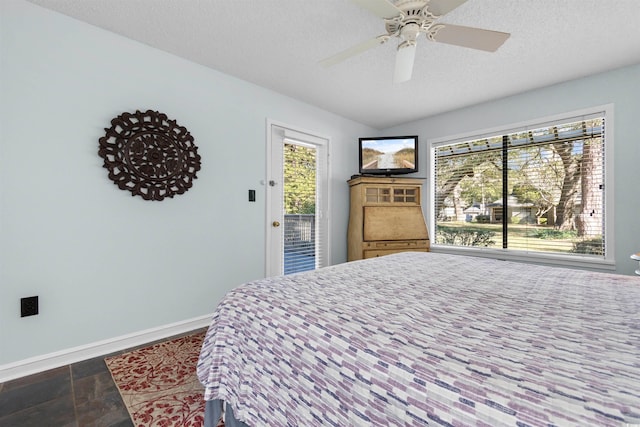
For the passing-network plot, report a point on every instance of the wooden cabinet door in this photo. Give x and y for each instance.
(394, 223)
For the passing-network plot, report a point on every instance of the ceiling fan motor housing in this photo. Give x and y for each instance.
(415, 18)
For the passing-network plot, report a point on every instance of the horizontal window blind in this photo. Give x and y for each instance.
(537, 190)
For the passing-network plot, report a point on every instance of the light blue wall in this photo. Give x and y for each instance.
(105, 263)
(620, 87)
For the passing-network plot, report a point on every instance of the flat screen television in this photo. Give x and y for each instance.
(388, 155)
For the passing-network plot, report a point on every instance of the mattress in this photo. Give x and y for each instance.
(416, 338)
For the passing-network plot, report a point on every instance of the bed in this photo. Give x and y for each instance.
(415, 339)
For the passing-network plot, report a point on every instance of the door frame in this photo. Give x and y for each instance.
(313, 138)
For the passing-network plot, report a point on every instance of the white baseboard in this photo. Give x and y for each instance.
(45, 362)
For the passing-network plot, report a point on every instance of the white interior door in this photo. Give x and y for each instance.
(297, 199)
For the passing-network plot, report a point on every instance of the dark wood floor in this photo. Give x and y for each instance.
(79, 395)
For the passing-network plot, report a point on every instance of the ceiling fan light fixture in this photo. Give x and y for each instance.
(406, 52)
(404, 62)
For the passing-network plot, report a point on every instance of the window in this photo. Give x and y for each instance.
(302, 251)
(533, 191)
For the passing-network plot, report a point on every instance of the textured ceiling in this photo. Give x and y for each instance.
(277, 44)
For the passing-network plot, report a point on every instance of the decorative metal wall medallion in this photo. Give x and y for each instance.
(149, 155)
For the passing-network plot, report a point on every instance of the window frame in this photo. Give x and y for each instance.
(580, 261)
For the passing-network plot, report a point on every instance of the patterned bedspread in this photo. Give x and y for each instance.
(421, 338)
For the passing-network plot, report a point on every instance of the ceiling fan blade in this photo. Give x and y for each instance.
(442, 7)
(353, 50)
(404, 63)
(474, 38)
(381, 8)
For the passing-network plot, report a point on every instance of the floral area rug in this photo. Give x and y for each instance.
(158, 384)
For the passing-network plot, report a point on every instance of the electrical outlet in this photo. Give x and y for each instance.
(28, 306)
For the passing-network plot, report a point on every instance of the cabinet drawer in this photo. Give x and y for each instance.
(400, 244)
(377, 253)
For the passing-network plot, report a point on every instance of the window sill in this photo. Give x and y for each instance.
(571, 261)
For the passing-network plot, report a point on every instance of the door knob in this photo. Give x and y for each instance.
(276, 224)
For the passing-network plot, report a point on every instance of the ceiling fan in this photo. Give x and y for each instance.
(407, 19)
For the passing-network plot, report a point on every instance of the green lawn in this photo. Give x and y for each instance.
(521, 236)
